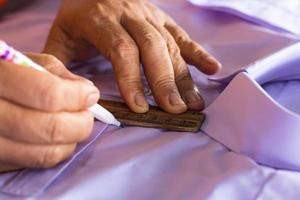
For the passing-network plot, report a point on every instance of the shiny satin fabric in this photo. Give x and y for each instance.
(143, 163)
(40, 179)
(264, 12)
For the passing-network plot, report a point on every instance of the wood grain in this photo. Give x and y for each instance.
(189, 121)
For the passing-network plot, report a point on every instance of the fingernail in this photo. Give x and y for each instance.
(175, 99)
(140, 100)
(212, 62)
(193, 100)
(191, 96)
(92, 99)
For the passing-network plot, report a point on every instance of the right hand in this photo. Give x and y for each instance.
(130, 33)
(42, 115)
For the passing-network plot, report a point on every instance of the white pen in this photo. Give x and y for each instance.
(9, 54)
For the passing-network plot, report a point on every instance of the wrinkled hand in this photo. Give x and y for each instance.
(130, 32)
(42, 115)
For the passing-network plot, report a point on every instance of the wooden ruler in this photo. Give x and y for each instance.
(189, 121)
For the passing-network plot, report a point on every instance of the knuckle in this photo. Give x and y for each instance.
(174, 50)
(90, 121)
(151, 40)
(50, 157)
(98, 15)
(88, 126)
(164, 82)
(130, 82)
(181, 37)
(127, 5)
(175, 54)
(84, 128)
(50, 95)
(124, 47)
(55, 129)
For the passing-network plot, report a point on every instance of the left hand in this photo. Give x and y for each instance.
(130, 32)
(43, 115)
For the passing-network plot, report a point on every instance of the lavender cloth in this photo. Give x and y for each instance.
(18, 184)
(139, 163)
(264, 12)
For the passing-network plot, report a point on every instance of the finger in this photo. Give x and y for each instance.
(114, 42)
(191, 51)
(32, 126)
(33, 156)
(184, 81)
(157, 63)
(55, 66)
(4, 168)
(44, 91)
(59, 44)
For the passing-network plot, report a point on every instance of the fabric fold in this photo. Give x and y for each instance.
(32, 182)
(252, 107)
(268, 13)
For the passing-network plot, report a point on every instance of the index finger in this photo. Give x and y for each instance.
(43, 90)
(55, 66)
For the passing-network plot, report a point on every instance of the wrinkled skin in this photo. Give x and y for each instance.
(130, 33)
(43, 115)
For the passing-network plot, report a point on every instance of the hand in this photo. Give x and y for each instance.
(42, 115)
(130, 32)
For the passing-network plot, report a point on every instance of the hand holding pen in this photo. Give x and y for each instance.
(43, 115)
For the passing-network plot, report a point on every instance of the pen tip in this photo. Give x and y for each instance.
(116, 123)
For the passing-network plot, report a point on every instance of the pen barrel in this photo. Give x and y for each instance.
(8, 53)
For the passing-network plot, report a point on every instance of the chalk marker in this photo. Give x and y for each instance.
(9, 54)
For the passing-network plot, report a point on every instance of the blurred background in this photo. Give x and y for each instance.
(7, 6)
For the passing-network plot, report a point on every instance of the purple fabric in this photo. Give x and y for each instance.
(267, 13)
(141, 163)
(40, 179)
